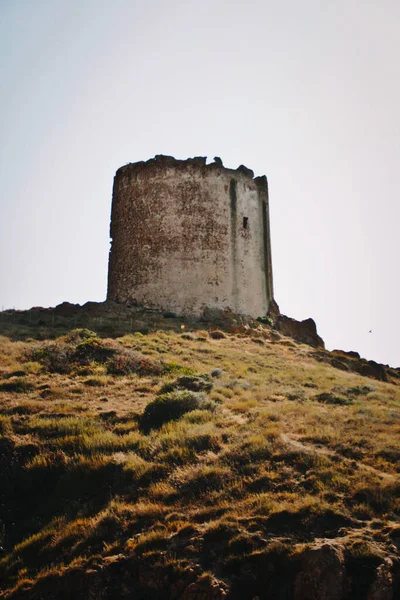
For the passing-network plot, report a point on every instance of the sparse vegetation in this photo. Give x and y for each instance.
(198, 469)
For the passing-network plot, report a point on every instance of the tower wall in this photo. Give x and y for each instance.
(186, 236)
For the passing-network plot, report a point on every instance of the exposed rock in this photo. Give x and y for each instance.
(370, 368)
(66, 309)
(206, 588)
(225, 319)
(302, 331)
(92, 306)
(274, 336)
(322, 573)
(393, 373)
(273, 310)
(351, 361)
(350, 353)
(382, 588)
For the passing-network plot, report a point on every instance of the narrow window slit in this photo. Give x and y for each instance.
(245, 222)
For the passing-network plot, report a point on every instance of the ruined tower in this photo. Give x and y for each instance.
(188, 236)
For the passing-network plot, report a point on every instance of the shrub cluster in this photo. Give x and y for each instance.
(82, 347)
(126, 362)
(328, 398)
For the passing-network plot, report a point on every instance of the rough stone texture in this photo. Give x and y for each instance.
(207, 588)
(302, 331)
(351, 361)
(382, 588)
(187, 236)
(322, 574)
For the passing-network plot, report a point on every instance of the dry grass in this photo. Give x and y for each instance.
(258, 450)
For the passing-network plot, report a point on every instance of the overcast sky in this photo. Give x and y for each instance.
(306, 92)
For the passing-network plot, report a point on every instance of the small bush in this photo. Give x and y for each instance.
(93, 349)
(171, 406)
(359, 390)
(98, 381)
(188, 382)
(55, 357)
(127, 362)
(328, 398)
(78, 335)
(265, 321)
(62, 357)
(174, 368)
(217, 335)
(33, 368)
(217, 373)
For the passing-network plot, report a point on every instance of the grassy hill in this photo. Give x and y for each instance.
(151, 457)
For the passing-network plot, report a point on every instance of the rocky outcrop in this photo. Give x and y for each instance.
(325, 573)
(322, 573)
(66, 309)
(123, 313)
(382, 588)
(301, 331)
(206, 588)
(351, 361)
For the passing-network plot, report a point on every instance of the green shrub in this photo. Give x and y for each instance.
(78, 335)
(62, 357)
(174, 368)
(188, 382)
(171, 406)
(328, 398)
(360, 390)
(93, 349)
(55, 357)
(265, 321)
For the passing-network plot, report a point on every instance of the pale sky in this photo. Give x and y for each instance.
(306, 92)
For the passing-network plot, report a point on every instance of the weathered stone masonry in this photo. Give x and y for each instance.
(188, 236)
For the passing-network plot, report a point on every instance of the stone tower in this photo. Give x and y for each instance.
(188, 236)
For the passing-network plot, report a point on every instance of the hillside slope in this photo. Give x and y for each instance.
(176, 461)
